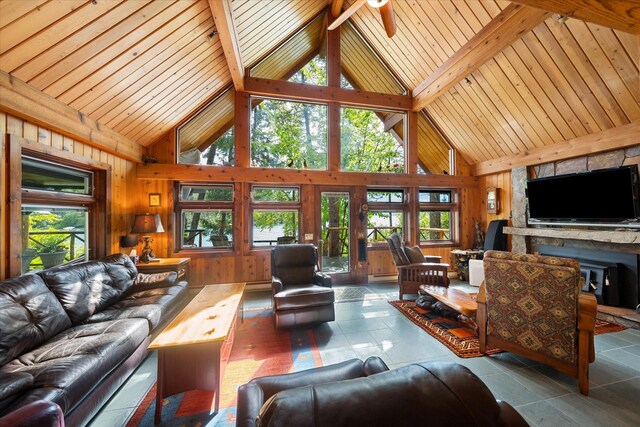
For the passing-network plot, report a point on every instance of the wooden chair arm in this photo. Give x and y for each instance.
(482, 294)
(587, 308)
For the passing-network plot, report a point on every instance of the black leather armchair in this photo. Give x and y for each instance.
(301, 295)
(253, 395)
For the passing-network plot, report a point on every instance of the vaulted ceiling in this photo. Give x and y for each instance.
(141, 67)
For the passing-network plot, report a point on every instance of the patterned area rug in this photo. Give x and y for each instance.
(355, 293)
(457, 336)
(258, 350)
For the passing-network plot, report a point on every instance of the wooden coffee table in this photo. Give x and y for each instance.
(194, 347)
(456, 299)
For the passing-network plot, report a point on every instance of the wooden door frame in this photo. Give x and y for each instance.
(357, 228)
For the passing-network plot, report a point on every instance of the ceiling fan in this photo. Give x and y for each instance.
(385, 7)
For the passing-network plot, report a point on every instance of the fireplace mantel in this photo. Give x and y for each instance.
(621, 237)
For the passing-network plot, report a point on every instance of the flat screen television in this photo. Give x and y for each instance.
(599, 196)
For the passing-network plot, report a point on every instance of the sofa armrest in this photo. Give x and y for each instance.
(41, 413)
(144, 281)
(276, 285)
(255, 393)
(322, 279)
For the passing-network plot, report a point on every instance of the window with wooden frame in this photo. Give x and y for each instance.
(437, 215)
(205, 216)
(275, 214)
(386, 213)
(61, 207)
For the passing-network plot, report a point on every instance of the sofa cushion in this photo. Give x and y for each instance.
(295, 297)
(86, 288)
(150, 304)
(29, 315)
(144, 281)
(68, 366)
(12, 385)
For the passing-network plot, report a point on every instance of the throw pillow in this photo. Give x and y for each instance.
(414, 254)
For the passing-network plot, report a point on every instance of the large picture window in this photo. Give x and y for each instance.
(372, 141)
(205, 214)
(287, 134)
(436, 216)
(275, 215)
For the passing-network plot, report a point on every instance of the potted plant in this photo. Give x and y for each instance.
(28, 255)
(51, 248)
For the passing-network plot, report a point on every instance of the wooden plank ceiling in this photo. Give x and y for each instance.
(141, 67)
(558, 82)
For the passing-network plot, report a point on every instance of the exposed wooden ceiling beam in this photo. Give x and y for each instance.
(303, 92)
(204, 173)
(606, 140)
(623, 15)
(502, 31)
(221, 10)
(25, 101)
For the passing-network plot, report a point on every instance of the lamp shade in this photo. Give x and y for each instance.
(129, 241)
(147, 223)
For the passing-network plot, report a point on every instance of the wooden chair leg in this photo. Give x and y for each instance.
(584, 348)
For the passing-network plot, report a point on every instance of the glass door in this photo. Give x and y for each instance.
(335, 242)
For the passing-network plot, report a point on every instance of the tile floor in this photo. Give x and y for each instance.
(373, 327)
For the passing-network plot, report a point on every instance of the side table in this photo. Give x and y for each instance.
(461, 260)
(160, 265)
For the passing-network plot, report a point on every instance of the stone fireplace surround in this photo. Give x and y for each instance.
(588, 244)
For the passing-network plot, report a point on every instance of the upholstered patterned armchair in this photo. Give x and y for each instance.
(533, 306)
(414, 268)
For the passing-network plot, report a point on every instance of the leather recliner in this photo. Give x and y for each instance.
(301, 295)
(428, 393)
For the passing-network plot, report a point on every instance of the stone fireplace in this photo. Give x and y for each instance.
(609, 257)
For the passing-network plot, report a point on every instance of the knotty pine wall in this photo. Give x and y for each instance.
(501, 180)
(123, 182)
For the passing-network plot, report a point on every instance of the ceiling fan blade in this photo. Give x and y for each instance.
(388, 18)
(346, 14)
(336, 7)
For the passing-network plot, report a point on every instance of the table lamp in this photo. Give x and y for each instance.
(145, 224)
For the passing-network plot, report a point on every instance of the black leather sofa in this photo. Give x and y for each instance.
(74, 333)
(356, 393)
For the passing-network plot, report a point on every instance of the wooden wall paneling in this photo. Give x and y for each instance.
(16, 32)
(164, 149)
(309, 216)
(201, 79)
(586, 70)
(334, 162)
(610, 139)
(4, 218)
(69, 86)
(557, 115)
(167, 58)
(53, 34)
(614, 69)
(261, 27)
(10, 10)
(621, 61)
(18, 98)
(620, 14)
(98, 30)
(555, 77)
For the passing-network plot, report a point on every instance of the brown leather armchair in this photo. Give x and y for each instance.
(40, 413)
(414, 268)
(356, 393)
(301, 295)
(533, 306)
